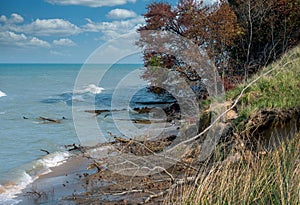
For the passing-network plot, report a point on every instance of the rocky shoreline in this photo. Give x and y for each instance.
(121, 172)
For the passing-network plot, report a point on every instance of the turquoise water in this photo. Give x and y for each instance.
(30, 91)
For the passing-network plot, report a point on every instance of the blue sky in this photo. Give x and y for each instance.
(63, 31)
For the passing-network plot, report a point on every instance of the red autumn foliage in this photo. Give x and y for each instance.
(239, 36)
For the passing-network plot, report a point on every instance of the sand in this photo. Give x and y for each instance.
(72, 183)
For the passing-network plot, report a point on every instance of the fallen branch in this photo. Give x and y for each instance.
(130, 192)
(162, 193)
(49, 120)
(43, 150)
(230, 108)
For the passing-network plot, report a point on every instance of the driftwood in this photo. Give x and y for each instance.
(49, 120)
(74, 147)
(145, 122)
(122, 140)
(43, 150)
(97, 112)
(142, 110)
(97, 165)
(155, 102)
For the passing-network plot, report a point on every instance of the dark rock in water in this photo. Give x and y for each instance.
(46, 151)
(97, 112)
(49, 120)
(155, 102)
(73, 147)
(142, 110)
(142, 121)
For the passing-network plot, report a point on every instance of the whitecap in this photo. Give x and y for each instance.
(54, 160)
(78, 98)
(10, 190)
(2, 94)
(92, 88)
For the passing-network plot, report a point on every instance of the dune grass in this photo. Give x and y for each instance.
(279, 89)
(270, 178)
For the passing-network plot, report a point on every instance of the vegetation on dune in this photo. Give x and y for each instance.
(239, 175)
(239, 36)
(279, 89)
(246, 41)
(273, 178)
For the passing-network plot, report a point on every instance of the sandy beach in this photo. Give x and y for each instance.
(96, 176)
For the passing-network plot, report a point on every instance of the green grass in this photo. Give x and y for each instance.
(279, 89)
(264, 178)
(273, 178)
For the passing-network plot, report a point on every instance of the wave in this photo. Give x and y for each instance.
(76, 96)
(27, 174)
(92, 88)
(2, 94)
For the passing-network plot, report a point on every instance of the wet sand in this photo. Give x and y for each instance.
(72, 183)
(63, 181)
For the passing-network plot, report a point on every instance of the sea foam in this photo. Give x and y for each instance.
(10, 190)
(92, 88)
(2, 94)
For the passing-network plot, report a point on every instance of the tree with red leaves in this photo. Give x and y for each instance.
(239, 36)
(212, 28)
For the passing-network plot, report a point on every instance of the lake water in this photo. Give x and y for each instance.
(31, 91)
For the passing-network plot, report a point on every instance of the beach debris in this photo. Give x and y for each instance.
(43, 150)
(49, 120)
(122, 140)
(97, 112)
(73, 147)
(142, 110)
(36, 194)
(145, 122)
(97, 165)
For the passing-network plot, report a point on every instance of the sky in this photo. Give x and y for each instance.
(64, 31)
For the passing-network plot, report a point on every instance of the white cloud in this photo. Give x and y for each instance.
(115, 28)
(15, 37)
(91, 3)
(14, 19)
(49, 27)
(121, 14)
(3, 18)
(39, 27)
(38, 42)
(64, 42)
(21, 40)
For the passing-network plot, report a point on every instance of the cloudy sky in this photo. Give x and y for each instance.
(63, 31)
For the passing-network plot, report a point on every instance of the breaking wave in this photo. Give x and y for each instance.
(92, 88)
(27, 174)
(2, 94)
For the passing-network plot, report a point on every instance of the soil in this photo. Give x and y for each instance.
(109, 175)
